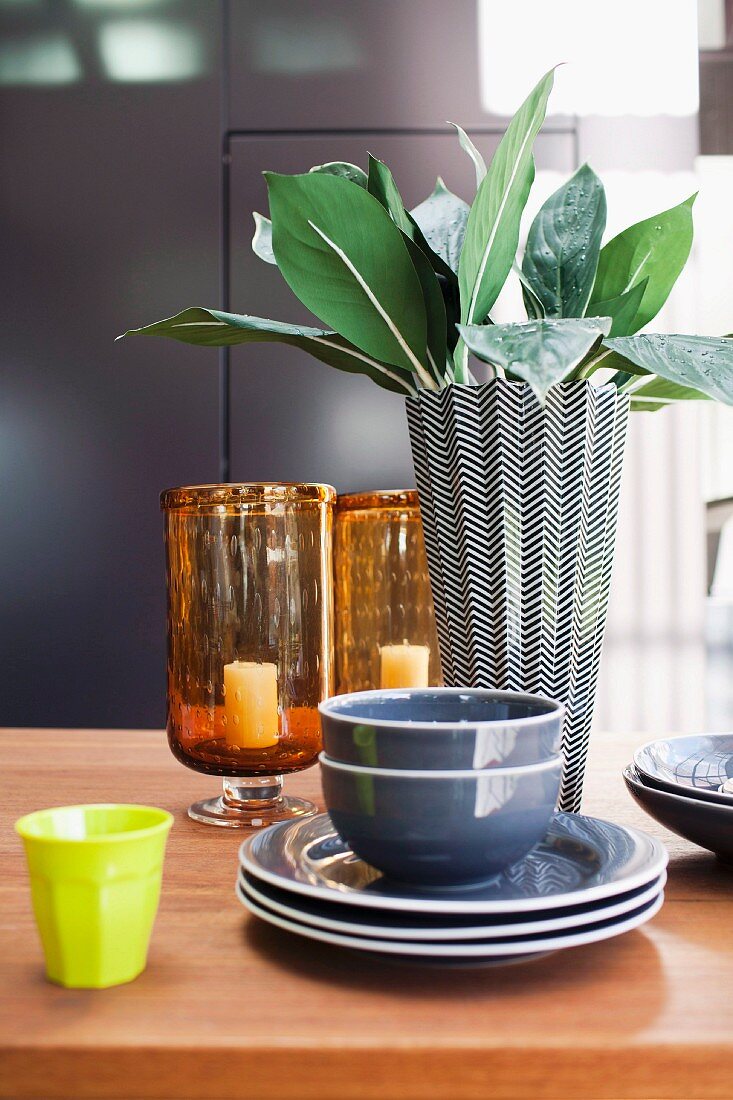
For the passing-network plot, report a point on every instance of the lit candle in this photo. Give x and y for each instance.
(404, 666)
(250, 705)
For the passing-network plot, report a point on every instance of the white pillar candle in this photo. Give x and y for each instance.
(250, 705)
(403, 666)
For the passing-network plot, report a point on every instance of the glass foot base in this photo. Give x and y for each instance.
(216, 811)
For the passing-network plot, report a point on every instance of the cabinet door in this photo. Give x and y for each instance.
(109, 202)
(353, 64)
(292, 417)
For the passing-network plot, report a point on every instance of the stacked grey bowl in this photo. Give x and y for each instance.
(441, 786)
(686, 784)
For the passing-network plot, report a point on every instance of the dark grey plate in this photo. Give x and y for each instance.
(581, 860)
(704, 823)
(357, 921)
(694, 766)
(480, 950)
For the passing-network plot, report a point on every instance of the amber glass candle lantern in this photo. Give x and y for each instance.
(385, 625)
(249, 572)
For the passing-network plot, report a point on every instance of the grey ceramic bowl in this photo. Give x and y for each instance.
(441, 828)
(704, 823)
(693, 766)
(441, 728)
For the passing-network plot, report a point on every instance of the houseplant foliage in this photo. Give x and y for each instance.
(404, 296)
(518, 477)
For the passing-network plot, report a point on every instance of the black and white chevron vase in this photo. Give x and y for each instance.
(519, 508)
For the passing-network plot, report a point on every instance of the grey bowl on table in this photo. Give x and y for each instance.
(694, 766)
(706, 824)
(441, 728)
(441, 828)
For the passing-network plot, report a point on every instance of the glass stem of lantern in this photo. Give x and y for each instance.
(252, 801)
(251, 793)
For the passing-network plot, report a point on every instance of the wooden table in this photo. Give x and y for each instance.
(229, 1007)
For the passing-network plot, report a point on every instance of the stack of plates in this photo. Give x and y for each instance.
(587, 881)
(686, 783)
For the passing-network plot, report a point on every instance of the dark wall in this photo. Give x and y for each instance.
(110, 207)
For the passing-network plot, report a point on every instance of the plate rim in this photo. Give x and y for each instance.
(658, 858)
(466, 951)
(655, 886)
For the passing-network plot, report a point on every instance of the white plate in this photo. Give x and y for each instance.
(487, 949)
(391, 926)
(582, 859)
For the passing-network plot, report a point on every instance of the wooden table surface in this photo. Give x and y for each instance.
(231, 1007)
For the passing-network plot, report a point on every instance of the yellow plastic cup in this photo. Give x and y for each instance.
(95, 883)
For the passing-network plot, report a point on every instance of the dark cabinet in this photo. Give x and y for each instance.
(110, 204)
(109, 197)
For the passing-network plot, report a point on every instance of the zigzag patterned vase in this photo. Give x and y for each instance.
(519, 509)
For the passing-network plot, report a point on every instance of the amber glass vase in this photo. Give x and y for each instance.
(249, 571)
(385, 625)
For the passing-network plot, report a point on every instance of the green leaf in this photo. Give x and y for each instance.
(543, 353)
(437, 298)
(532, 304)
(381, 184)
(492, 232)
(703, 363)
(434, 311)
(658, 393)
(621, 310)
(563, 244)
(341, 254)
(351, 172)
(262, 240)
(606, 359)
(468, 147)
(442, 220)
(212, 328)
(656, 248)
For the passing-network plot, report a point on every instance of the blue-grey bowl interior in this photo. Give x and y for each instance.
(441, 728)
(441, 828)
(689, 765)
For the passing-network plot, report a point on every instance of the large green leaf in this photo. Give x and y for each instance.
(543, 353)
(467, 145)
(342, 255)
(563, 244)
(351, 172)
(262, 239)
(532, 304)
(382, 185)
(656, 248)
(621, 310)
(492, 231)
(703, 363)
(442, 219)
(434, 311)
(603, 358)
(212, 328)
(658, 393)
